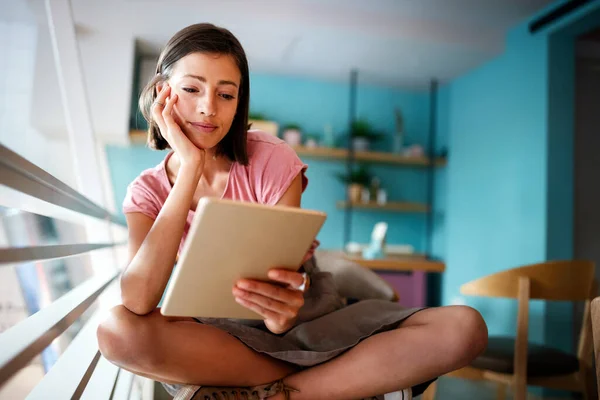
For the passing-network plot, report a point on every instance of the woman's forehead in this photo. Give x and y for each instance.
(210, 66)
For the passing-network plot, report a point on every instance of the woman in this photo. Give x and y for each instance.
(309, 346)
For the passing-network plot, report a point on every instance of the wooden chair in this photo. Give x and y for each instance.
(517, 363)
(596, 335)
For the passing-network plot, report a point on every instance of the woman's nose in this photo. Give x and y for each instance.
(207, 105)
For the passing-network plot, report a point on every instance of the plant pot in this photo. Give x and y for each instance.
(354, 192)
(310, 143)
(293, 137)
(360, 144)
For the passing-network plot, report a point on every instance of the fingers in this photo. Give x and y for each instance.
(167, 113)
(263, 312)
(292, 278)
(267, 304)
(290, 297)
(158, 106)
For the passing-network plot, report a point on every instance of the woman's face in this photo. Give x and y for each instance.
(207, 86)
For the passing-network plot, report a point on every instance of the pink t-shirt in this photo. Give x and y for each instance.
(272, 167)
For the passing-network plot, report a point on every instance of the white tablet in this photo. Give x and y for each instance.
(229, 240)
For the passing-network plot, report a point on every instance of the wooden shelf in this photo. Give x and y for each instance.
(370, 156)
(401, 263)
(389, 206)
(139, 136)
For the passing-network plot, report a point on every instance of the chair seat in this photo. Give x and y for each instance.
(541, 360)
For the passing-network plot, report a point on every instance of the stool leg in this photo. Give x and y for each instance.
(501, 392)
(429, 394)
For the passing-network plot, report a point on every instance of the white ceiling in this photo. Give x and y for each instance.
(394, 42)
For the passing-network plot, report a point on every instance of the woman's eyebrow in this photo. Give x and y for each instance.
(203, 79)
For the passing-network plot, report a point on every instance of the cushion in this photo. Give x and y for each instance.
(541, 360)
(353, 280)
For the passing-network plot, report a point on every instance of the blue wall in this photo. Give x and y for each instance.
(509, 185)
(313, 104)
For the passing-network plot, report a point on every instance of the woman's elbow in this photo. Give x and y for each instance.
(137, 301)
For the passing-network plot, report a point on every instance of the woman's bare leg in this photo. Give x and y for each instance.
(181, 350)
(428, 344)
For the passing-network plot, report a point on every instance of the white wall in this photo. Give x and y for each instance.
(19, 49)
(107, 61)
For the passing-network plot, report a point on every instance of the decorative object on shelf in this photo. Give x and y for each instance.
(381, 196)
(376, 248)
(363, 135)
(399, 136)
(328, 138)
(355, 181)
(355, 249)
(375, 185)
(292, 134)
(311, 141)
(365, 195)
(416, 150)
(260, 122)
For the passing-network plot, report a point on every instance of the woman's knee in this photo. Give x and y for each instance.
(469, 334)
(125, 338)
(459, 329)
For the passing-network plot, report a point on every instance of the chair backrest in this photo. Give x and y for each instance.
(552, 280)
(596, 334)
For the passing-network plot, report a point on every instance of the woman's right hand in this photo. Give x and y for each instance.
(165, 117)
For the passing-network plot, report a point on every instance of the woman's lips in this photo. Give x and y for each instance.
(204, 127)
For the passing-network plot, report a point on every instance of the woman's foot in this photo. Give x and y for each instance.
(277, 388)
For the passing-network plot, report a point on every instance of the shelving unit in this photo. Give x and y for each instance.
(416, 262)
(366, 156)
(389, 206)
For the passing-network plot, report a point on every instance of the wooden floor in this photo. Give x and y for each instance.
(460, 389)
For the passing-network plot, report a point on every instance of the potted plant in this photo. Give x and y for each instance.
(292, 134)
(355, 181)
(362, 135)
(261, 122)
(311, 141)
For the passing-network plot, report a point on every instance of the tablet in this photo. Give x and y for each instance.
(229, 240)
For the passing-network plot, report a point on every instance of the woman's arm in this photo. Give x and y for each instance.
(153, 246)
(292, 196)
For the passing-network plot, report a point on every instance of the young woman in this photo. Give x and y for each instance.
(309, 346)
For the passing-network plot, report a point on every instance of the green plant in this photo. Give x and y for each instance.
(362, 128)
(257, 116)
(291, 127)
(359, 176)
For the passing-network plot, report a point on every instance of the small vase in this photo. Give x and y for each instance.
(360, 144)
(355, 192)
(398, 143)
(293, 137)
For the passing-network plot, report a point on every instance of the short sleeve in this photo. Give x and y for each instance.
(280, 169)
(139, 198)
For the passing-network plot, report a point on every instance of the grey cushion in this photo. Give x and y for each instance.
(351, 279)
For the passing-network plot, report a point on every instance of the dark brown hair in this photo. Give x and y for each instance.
(204, 38)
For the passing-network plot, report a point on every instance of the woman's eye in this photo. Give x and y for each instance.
(227, 96)
(189, 90)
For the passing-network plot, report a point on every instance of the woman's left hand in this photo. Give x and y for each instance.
(278, 304)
